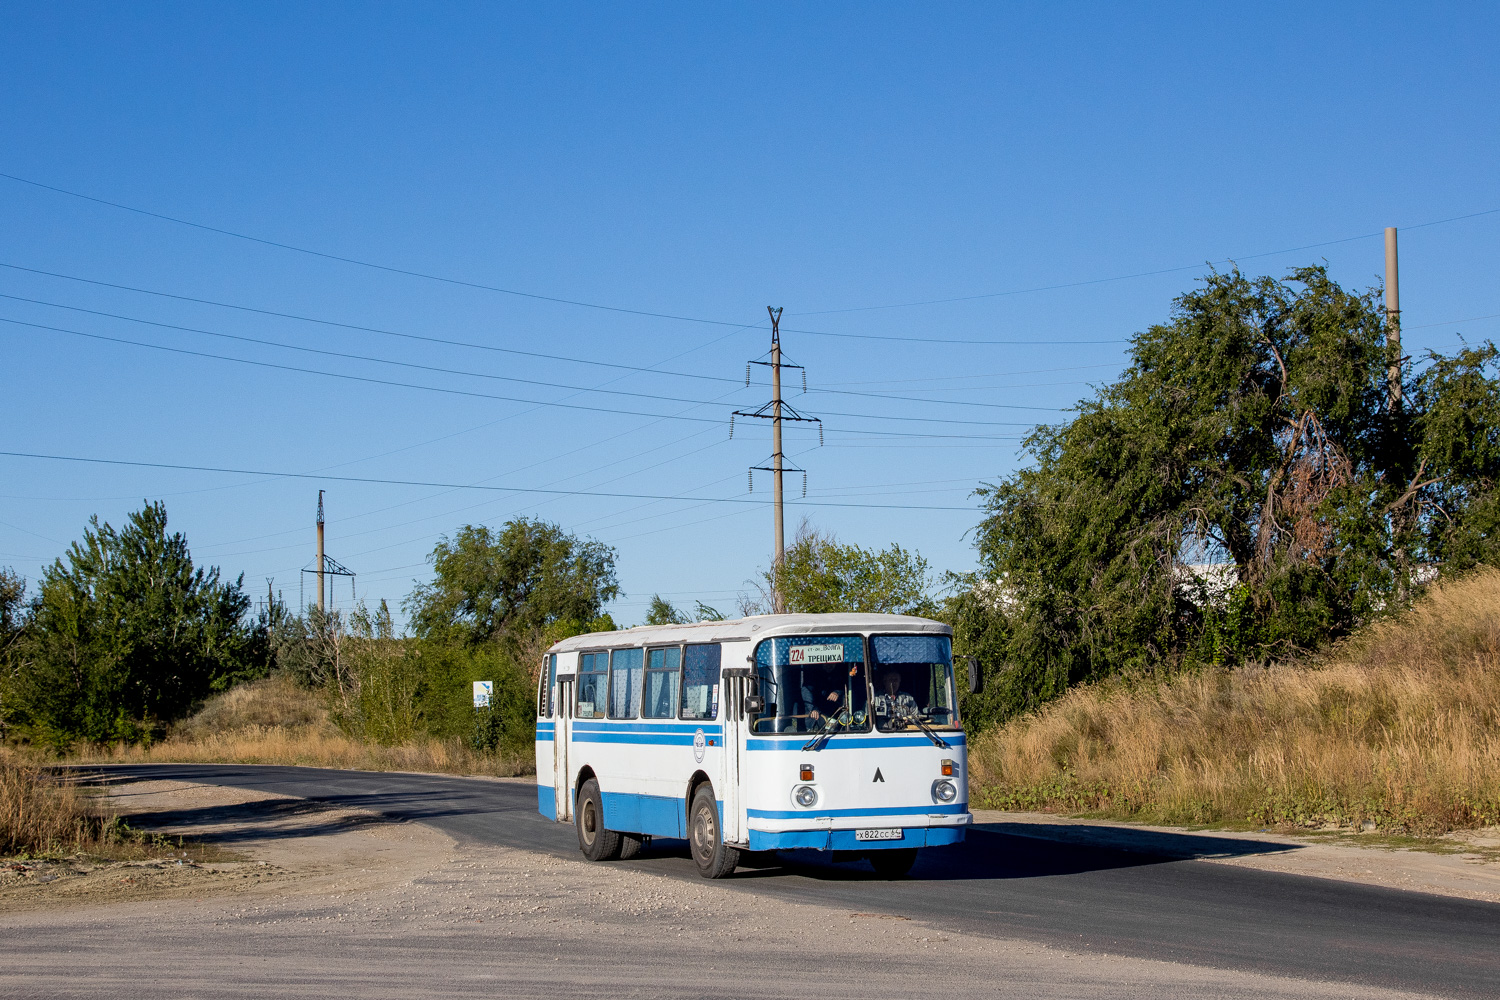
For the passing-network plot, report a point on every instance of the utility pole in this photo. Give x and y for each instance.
(1392, 319)
(327, 566)
(777, 458)
(776, 411)
(320, 550)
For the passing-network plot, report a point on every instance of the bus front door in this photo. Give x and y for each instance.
(737, 684)
(562, 778)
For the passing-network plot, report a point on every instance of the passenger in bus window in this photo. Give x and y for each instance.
(832, 685)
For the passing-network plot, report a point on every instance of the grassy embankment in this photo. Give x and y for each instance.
(1398, 726)
(273, 721)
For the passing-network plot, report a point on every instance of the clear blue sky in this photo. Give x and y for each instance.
(697, 161)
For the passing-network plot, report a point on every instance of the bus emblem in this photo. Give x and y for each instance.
(698, 744)
(878, 776)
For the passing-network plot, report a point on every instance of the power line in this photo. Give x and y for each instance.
(365, 263)
(459, 282)
(486, 395)
(439, 485)
(445, 371)
(1138, 274)
(364, 329)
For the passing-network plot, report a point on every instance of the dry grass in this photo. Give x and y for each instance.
(1399, 726)
(273, 721)
(39, 815)
(44, 815)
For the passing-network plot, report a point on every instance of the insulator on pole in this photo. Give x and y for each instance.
(804, 380)
(747, 373)
(750, 475)
(820, 433)
(731, 427)
(804, 484)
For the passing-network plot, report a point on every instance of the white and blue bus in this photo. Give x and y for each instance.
(832, 732)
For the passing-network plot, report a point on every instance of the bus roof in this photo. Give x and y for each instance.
(754, 627)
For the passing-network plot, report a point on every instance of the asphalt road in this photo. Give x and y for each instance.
(1002, 884)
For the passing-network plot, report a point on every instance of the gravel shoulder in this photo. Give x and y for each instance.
(331, 902)
(1466, 865)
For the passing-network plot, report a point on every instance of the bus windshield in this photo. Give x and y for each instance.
(812, 684)
(913, 682)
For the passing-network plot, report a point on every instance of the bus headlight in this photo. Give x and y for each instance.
(805, 796)
(944, 790)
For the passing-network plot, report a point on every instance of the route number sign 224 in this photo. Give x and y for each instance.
(831, 653)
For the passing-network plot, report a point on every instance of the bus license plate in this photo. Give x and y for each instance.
(878, 834)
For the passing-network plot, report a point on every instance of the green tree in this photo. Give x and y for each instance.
(127, 634)
(15, 618)
(821, 574)
(528, 575)
(662, 612)
(1251, 433)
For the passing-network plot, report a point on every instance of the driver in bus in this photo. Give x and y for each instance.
(894, 704)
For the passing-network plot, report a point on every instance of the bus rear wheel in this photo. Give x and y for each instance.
(714, 858)
(596, 843)
(893, 863)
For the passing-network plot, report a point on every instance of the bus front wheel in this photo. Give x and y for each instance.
(596, 843)
(714, 858)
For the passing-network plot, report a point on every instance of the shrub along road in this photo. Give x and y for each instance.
(1000, 885)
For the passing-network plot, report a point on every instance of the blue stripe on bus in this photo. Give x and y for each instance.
(650, 739)
(581, 726)
(546, 801)
(955, 809)
(545, 727)
(844, 840)
(852, 742)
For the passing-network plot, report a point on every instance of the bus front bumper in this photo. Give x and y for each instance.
(862, 833)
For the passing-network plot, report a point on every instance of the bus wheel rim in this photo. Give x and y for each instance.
(703, 838)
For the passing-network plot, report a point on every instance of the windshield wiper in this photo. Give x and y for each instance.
(823, 733)
(916, 720)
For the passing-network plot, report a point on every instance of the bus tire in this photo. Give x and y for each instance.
(893, 863)
(596, 842)
(714, 858)
(630, 845)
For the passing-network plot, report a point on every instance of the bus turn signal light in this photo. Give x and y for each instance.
(806, 772)
(947, 768)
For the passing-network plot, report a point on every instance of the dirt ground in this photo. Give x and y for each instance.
(328, 902)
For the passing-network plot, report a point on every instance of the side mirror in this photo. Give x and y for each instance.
(976, 676)
(754, 704)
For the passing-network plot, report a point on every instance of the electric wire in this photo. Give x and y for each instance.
(447, 371)
(361, 328)
(432, 484)
(486, 395)
(580, 303)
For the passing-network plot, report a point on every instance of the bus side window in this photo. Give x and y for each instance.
(591, 691)
(700, 681)
(624, 683)
(659, 693)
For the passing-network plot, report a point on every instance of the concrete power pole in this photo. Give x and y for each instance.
(1392, 319)
(777, 459)
(777, 411)
(320, 550)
